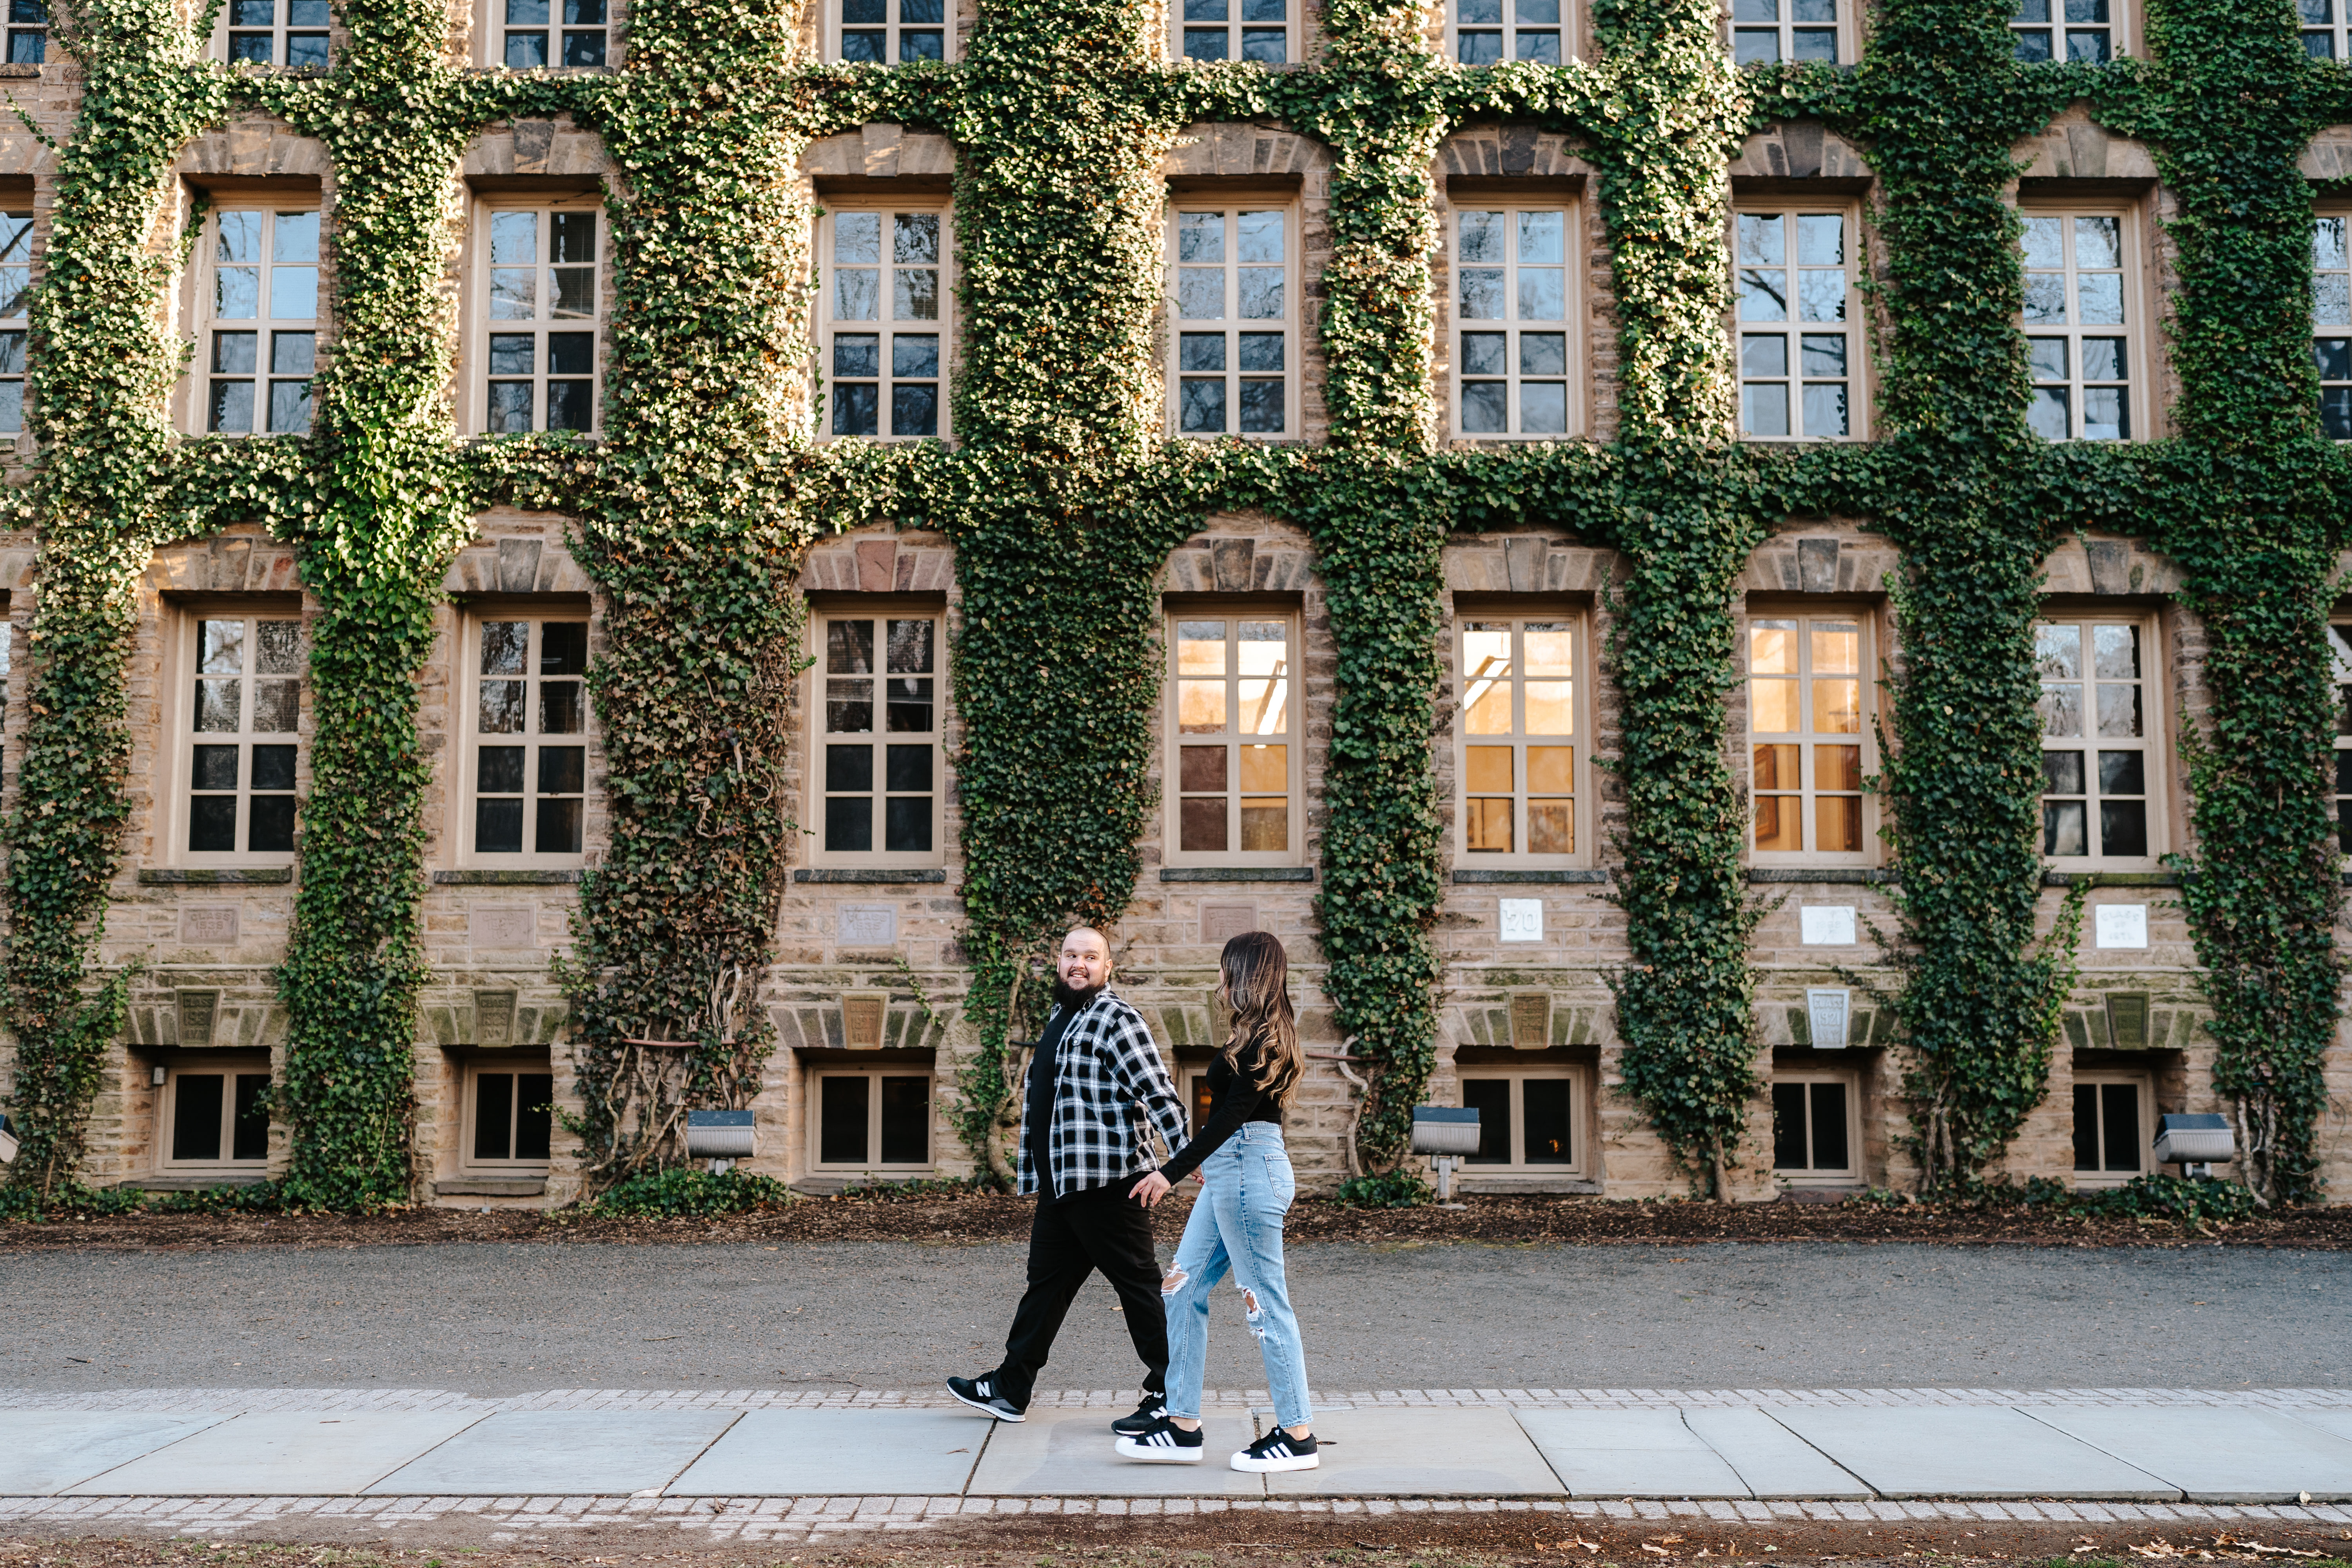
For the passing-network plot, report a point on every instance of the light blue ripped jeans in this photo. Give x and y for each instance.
(1247, 1188)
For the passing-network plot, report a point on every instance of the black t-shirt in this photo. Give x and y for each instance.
(1043, 1072)
(1234, 1098)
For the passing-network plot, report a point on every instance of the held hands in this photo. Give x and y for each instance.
(1151, 1190)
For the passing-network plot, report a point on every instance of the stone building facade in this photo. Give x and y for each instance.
(868, 973)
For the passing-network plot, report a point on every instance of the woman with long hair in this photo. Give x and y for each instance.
(1247, 1188)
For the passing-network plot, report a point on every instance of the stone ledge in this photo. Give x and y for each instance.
(213, 876)
(2112, 879)
(1530, 879)
(502, 879)
(492, 1187)
(193, 1183)
(1237, 873)
(871, 878)
(1852, 875)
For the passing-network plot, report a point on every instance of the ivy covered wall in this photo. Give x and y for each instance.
(1062, 499)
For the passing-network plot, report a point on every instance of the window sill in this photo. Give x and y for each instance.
(1853, 876)
(832, 1183)
(1237, 873)
(879, 876)
(20, 72)
(1566, 876)
(2112, 879)
(1500, 1184)
(217, 876)
(492, 1187)
(520, 876)
(193, 1182)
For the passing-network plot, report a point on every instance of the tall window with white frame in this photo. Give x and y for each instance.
(1791, 274)
(886, 322)
(1232, 266)
(1255, 30)
(2339, 665)
(2097, 746)
(1237, 737)
(238, 746)
(28, 32)
(2078, 315)
(1767, 30)
(540, 351)
(875, 32)
(2331, 323)
(1527, 1119)
(2110, 1111)
(1518, 737)
(527, 776)
(1488, 32)
(16, 288)
(1805, 727)
(1512, 287)
(259, 320)
(2322, 28)
(569, 33)
(880, 776)
(2089, 30)
(292, 33)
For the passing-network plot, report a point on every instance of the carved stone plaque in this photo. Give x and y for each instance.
(494, 1016)
(861, 1019)
(1220, 923)
(503, 928)
(867, 925)
(1530, 1020)
(208, 925)
(197, 1010)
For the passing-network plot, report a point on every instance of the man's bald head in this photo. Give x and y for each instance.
(1084, 963)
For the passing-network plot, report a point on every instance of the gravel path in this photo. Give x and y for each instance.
(502, 1319)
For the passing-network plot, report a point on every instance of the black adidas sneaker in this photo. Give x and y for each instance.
(1279, 1450)
(1163, 1442)
(1153, 1407)
(982, 1395)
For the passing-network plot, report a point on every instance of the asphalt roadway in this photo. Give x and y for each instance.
(496, 1318)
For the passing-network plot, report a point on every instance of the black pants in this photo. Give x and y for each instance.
(1099, 1228)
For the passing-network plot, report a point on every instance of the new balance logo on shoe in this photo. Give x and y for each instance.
(982, 1395)
(1279, 1450)
(1163, 1442)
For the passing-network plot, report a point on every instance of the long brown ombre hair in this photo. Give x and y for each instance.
(1257, 986)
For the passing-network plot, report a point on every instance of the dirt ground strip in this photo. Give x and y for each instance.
(1499, 1539)
(962, 1219)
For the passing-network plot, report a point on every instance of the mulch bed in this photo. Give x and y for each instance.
(965, 1219)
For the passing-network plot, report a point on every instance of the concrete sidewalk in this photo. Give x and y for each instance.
(1749, 1450)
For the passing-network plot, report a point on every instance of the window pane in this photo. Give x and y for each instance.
(196, 1116)
(1788, 1127)
(534, 1114)
(905, 1122)
(841, 1120)
(1491, 1098)
(2119, 1126)
(269, 825)
(1829, 1110)
(2086, 1127)
(273, 767)
(559, 827)
(849, 823)
(249, 1123)
(497, 826)
(212, 824)
(907, 825)
(493, 1115)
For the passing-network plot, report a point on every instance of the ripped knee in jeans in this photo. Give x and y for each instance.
(1174, 1282)
(1251, 1311)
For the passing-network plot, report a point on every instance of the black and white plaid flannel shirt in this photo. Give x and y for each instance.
(1109, 1080)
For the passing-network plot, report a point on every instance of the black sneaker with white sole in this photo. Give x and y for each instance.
(1153, 1407)
(1279, 1450)
(979, 1392)
(1163, 1442)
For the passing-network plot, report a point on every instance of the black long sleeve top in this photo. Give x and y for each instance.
(1234, 1098)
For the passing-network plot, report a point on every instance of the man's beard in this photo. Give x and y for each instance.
(1070, 996)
